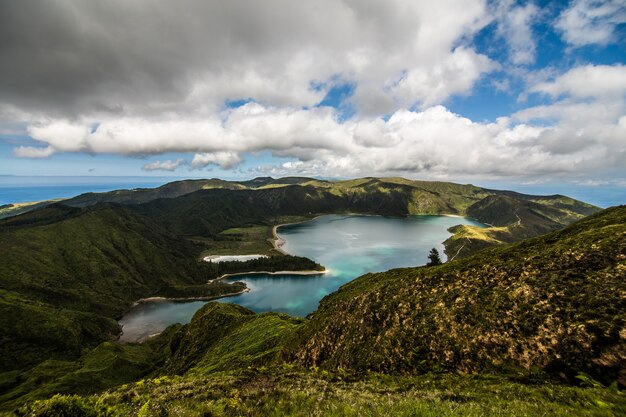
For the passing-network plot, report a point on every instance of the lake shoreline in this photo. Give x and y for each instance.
(201, 298)
(277, 241)
(306, 272)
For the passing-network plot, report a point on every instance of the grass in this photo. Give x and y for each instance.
(467, 240)
(543, 307)
(248, 240)
(107, 366)
(67, 274)
(241, 241)
(15, 209)
(257, 342)
(289, 391)
(551, 305)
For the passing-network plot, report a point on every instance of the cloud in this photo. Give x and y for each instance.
(226, 160)
(584, 97)
(144, 78)
(588, 22)
(432, 142)
(140, 59)
(433, 84)
(514, 25)
(62, 135)
(587, 81)
(33, 152)
(168, 165)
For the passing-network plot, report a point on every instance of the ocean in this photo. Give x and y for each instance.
(18, 189)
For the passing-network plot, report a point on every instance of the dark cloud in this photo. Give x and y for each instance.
(65, 58)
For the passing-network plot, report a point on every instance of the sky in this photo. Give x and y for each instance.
(488, 92)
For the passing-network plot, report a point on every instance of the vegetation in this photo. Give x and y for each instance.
(552, 306)
(204, 209)
(273, 263)
(67, 274)
(546, 310)
(9, 210)
(285, 391)
(433, 258)
(106, 366)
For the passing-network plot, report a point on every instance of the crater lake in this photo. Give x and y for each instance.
(347, 245)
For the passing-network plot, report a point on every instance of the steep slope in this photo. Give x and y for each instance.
(513, 217)
(10, 210)
(207, 212)
(66, 273)
(89, 264)
(554, 304)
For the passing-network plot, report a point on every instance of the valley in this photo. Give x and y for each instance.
(78, 265)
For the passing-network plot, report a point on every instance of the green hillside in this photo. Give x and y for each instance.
(68, 273)
(513, 216)
(204, 208)
(535, 329)
(95, 260)
(143, 195)
(553, 304)
(71, 269)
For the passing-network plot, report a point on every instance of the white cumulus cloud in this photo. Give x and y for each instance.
(35, 152)
(167, 165)
(587, 81)
(514, 25)
(588, 22)
(226, 160)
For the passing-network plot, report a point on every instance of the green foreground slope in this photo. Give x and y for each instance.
(69, 272)
(552, 305)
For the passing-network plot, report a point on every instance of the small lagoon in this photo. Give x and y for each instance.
(348, 246)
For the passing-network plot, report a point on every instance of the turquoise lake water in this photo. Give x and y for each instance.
(348, 246)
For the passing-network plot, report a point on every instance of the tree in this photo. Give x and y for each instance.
(434, 258)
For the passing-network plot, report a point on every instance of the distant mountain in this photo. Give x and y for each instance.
(144, 195)
(520, 215)
(513, 216)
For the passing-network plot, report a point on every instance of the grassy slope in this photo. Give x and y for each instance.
(143, 195)
(67, 273)
(211, 212)
(287, 392)
(108, 365)
(10, 210)
(538, 214)
(553, 304)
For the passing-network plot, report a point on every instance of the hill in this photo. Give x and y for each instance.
(489, 334)
(93, 259)
(68, 273)
(553, 304)
(512, 216)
